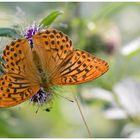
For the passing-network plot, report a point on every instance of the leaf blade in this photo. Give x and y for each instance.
(50, 18)
(9, 32)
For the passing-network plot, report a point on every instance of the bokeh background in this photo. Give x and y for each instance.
(111, 103)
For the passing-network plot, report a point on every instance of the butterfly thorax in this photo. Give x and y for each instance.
(43, 77)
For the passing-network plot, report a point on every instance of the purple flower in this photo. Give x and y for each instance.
(41, 97)
(30, 31)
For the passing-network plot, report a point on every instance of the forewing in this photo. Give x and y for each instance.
(18, 59)
(52, 47)
(19, 81)
(79, 67)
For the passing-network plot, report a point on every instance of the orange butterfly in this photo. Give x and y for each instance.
(50, 61)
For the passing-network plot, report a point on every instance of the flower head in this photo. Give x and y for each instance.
(30, 31)
(41, 97)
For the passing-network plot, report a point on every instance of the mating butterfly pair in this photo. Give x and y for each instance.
(50, 60)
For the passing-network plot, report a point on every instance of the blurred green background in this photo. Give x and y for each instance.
(111, 104)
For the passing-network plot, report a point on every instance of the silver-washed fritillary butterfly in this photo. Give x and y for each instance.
(50, 61)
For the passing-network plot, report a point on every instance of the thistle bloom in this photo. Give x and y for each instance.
(41, 97)
(30, 31)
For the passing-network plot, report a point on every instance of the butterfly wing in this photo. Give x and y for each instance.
(65, 65)
(80, 67)
(18, 82)
(52, 47)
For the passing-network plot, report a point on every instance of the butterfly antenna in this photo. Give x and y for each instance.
(64, 97)
(82, 115)
(39, 105)
(37, 109)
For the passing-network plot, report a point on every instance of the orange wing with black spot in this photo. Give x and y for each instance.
(63, 64)
(52, 47)
(80, 67)
(18, 82)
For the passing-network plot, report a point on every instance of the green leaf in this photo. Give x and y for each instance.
(9, 32)
(50, 18)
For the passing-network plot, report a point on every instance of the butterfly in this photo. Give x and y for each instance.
(49, 61)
